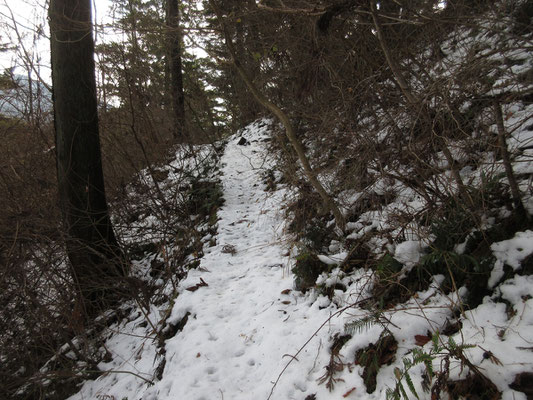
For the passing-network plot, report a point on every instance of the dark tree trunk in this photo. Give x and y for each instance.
(176, 74)
(93, 251)
(248, 107)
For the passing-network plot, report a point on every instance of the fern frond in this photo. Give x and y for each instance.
(435, 340)
(392, 394)
(360, 325)
(452, 344)
(466, 346)
(421, 357)
(402, 390)
(429, 368)
(410, 384)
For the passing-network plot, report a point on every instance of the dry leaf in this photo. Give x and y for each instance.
(348, 392)
(197, 286)
(421, 340)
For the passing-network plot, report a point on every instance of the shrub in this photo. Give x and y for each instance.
(205, 197)
(452, 226)
(307, 269)
(387, 267)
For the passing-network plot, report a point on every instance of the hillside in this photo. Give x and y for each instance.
(349, 213)
(236, 327)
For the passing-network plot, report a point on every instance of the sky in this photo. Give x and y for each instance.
(27, 15)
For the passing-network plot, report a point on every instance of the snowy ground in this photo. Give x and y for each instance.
(242, 326)
(249, 335)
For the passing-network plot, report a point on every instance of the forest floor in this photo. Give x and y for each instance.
(237, 328)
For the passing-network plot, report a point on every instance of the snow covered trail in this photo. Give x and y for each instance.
(242, 323)
(242, 327)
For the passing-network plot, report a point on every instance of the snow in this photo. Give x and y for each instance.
(249, 335)
(511, 252)
(15, 103)
(241, 328)
(333, 259)
(409, 252)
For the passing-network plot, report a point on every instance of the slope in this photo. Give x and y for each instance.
(240, 319)
(237, 329)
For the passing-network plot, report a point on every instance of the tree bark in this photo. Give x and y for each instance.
(92, 248)
(176, 73)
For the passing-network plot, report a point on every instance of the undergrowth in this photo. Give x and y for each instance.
(163, 217)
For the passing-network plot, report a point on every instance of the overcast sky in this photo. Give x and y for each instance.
(29, 14)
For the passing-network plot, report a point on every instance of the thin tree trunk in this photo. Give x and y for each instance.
(176, 73)
(515, 191)
(402, 83)
(92, 248)
(31, 113)
(104, 92)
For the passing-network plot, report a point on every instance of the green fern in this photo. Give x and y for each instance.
(392, 394)
(362, 324)
(376, 317)
(435, 341)
(452, 345)
(410, 384)
(419, 356)
(358, 326)
(402, 390)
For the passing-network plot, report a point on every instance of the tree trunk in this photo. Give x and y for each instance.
(176, 74)
(506, 158)
(92, 248)
(248, 108)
